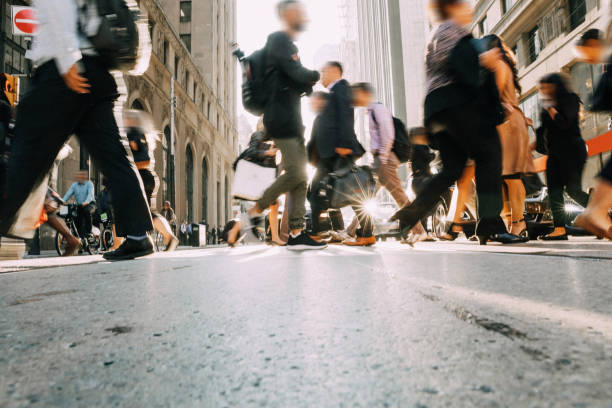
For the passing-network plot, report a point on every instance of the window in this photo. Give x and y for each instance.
(535, 44)
(176, 68)
(151, 30)
(185, 11)
(189, 183)
(483, 26)
(165, 53)
(516, 55)
(187, 77)
(186, 39)
(507, 5)
(204, 189)
(577, 10)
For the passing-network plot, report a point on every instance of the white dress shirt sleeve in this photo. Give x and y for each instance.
(58, 22)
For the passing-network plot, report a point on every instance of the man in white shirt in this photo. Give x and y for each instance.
(72, 92)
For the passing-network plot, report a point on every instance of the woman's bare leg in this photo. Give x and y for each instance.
(516, 197)
(464, 184)
(596, 218)
(274, 224)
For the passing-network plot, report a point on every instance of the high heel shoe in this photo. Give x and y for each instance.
(524, 234)
(505, 238)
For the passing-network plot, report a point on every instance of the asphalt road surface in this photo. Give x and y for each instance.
(442, 325)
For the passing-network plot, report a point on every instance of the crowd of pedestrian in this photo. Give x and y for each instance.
(465, 78)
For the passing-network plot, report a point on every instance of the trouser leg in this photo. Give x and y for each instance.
(99, 133)
(389, 178)
(554, 179)
(293, 181)
(46, 117)
(365, 221)
(323, 169)
(453, 158)
(574, 184)
(336, 219)
(488, 157)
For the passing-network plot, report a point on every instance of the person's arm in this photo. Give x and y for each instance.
(60, 20)
(281, 49)
(465, 64)
(69, 193)
(566, 113)
(386, 131)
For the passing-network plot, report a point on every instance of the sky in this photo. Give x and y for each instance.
(257, 19)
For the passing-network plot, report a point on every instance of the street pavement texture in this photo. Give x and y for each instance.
(441, 325)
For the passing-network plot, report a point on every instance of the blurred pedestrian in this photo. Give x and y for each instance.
(382, 138)
(73, 80)
(566, 150)
(142, 151)
(168, 213)
(517, 159)
(596, 218)
(337, 146)
(288, 81)
(460, 85)
(83, 192)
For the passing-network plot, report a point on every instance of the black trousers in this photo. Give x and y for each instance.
(564, 173)
(606, 174)
(48, 114)
(460, 135)
(85, 219)
(325, 167)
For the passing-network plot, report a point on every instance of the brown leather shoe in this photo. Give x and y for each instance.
(361, 242)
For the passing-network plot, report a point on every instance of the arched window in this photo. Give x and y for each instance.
(204, 190)
(168, 174)
(189, 183)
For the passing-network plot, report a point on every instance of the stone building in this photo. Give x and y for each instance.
(191, 59)
(542, 34)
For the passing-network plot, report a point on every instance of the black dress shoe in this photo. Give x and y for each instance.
(505, 238)
(563, 237)
(131, 249)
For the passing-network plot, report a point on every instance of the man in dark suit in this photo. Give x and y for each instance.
(336, 141)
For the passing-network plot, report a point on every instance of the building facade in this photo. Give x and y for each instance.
(197, 143)
(542, 34)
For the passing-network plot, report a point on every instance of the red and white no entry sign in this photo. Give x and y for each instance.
(24, 21)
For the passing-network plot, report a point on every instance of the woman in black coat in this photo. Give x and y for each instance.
(567, 152)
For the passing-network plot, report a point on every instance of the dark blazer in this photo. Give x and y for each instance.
(287, 82)
(337, 124)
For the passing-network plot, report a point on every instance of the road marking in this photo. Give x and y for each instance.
(570, 318)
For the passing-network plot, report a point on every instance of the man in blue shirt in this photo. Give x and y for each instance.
(83, 192)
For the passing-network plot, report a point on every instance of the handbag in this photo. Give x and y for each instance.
(348, 185)
(251, 180)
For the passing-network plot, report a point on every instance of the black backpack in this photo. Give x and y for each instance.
(402, 146)
(254, 93)
(117, 39)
